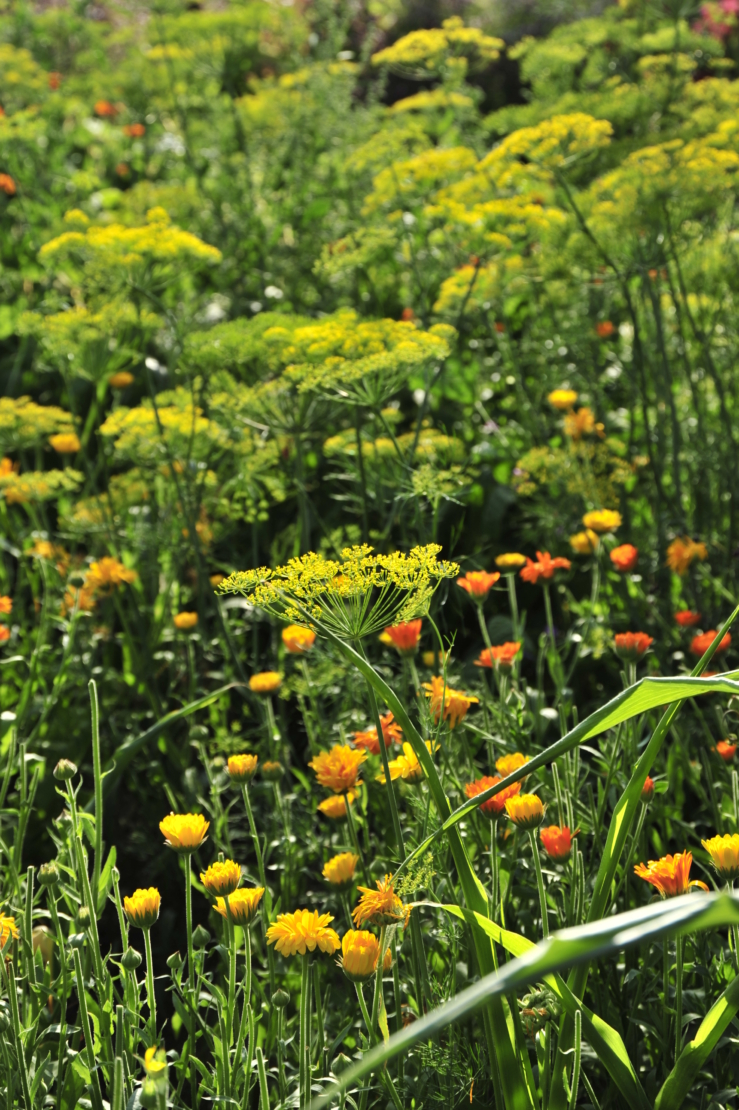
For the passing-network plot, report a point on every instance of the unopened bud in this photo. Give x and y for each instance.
(65, 770)
(83, 920)
(200, 937)
(280, 999)
(341, 1063)
(647, 791)
(48, 874)
(175, 961)
(272, 771)
(131, 959)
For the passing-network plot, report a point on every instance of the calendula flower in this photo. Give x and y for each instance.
(303, 931)
(544, 567)
(8, 930)
(121, 380)
(510, 561)
(155, 1061)
(184, 621)
(339, 871)
(562, 399)
(266, 682)
(406, 766)
(134, 130)
(526, 811)
(338, 769)
(405, 636)
(6, 606)
(604, 329)
(581, 423)
(670, 875)
(221, 878)
(632, 646)
(557, 842)
(507, 764)
(272, 770)
(334, 807)
(726, 750)
(142, 907)
(216, 579)
(701, 643)
(724, 853)
(602, 520)
(367, 738)
(478, 583)
(4, 634)
(501, 656)
(105, 109)
(8, 185)
(184, 832)
(494, 806)
(647, 790)
(65, 443)
(360, 951)
(624, 557)
(381, 906)
(429, 658)
(106, 574)
(298, 640)
(243, 904)
(687, 618)
(584, 543)
(242, 768)
(455, 702)
(682, 552)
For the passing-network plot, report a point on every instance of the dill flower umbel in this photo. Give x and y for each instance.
(602, 520)
(339, 871)
(405, 636)
(687, 618)
(501, 656)
(510, 561)
(185, 621)
(367, 738)
(184, 832)
(406, 766)
(624, 557)
(507, 764)
(682, 552)
(142, 907)
(242, 768)
(526, 811)
(298, 640)
(670, 875)
(455, 702)
(562, 399)
(478, 583)
(338, 769)
(494, 806)
(584, 543)
(301, 932)
(632, 646)
(726, 750)
(266, 682)
(221, 878)
(8, 930)
(543, 567)
(381, 906)
(243, 904)
(360, 951)
(334, 807)
(557, 842)
(724, 853)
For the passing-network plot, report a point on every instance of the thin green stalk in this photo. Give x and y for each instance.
(150, 995)
(191, 1001)
(231, 1003)
(59, 937)
(576, 1066)
(84, 1019)
(263, 881)
(679, 952)
(263, 1090)
(28, 959)
(303, 1080)
(540, 883)
(321, 1053)
(354, 840)
(493, 869)
(98, 787)
(19, 1048)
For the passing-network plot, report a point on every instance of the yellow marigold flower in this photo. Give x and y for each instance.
(339, 871)
(121, 380)
(301, 932)
(584, 543)
(142, 907)
(335, 806)
(360, 951)
(682, 552)
(8, 930)
(65, 443)
(602, 520)
(243, 904)
(184, 832)
(266, 682)
(107, 573)
(297, 639)
(456, 702)
(242, 768)
(724, 853)
(184, 621)
(216, 579)
(526, 811)
(221, 877)
(338, 769)
(507, 764)
(381, 906)
(582, 423)
(272, 770)
(406, 766)
(155, 1060)
(670, 875)
(510, 560)
(562, 399)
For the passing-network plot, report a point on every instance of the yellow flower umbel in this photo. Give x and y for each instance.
(243, 904)
(406, 766)
(339, 871)
(456, 702)
(335, 806)
(221, 878)
(266, 682)
(602, 520)
(184, 832)
(381, 906)
(360, 951)
(142, 907)
(526, 811)
(242, 768)
(301, 932)
(8, 930)
(724, 853)
(338, 769)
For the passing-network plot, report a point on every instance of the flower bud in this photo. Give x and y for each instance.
(280, 999)
(83, 920)
(48, 874)
(340, 1064)
(65, 770)
(200, 937)
(115, 875)
(77, 940)
(131, 959)
(175, 961)
(647, 791)
(272, 771)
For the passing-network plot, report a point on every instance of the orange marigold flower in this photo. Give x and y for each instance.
(297, 639)
(4, 634)
(266, 682)
(582, 423)
(647, 790)
(243, 904)
(65, 443)
(687, 618)
(584, 543)
(7, 185)
(670, 875)
(272, 770)
(55, 80)
(544, 567)
(121, 380)
(303, 931)
(455, 702)
(701, 643)
(184, 832)
(242, 768)
(526, 811)
(134, 130)
(478, 583)
(562, 399)
(105, 109)
(106, 574)
(603, 520)
(360, 951)
(334, 807)
(142, 907)
(405, 636)
(724, 853)
(367, 738)
(221, 878)
(123, 169)
(605, 328)
(8, 930)
(726, 750)
(510, 561)
(381, 906)
(494, 806)
(624, 557)
(507, 764)
(632, 646)
(682, 552)
(6, 605)
(338, 769)
(557, 842)
(185, 621)
(339, 871)
(501, 656)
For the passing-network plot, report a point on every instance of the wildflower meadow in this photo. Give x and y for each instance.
(369, 555)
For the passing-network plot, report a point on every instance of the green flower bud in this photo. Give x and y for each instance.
(83, 920)
(175, 961)
(131, 959)
(340, 1064)
(48, 874)
(200, 937)
(280, 999)
(65, 770)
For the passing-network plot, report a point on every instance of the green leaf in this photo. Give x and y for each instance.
(106, 880)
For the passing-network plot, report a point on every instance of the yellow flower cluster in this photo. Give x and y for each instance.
(38, 485)
(158, 241)
(23, 423)
(424, 52)
(185, 432)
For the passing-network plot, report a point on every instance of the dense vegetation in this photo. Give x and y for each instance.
(358, 383)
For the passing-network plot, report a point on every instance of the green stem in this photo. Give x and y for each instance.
(98, 781)
(191, 1002)
(19, 1051)
(354, 840)
(263, 881)
(304, 1081)
(263, 1090)
(678, 996)
(150, 996)
(540, 884)
(84, 1017)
